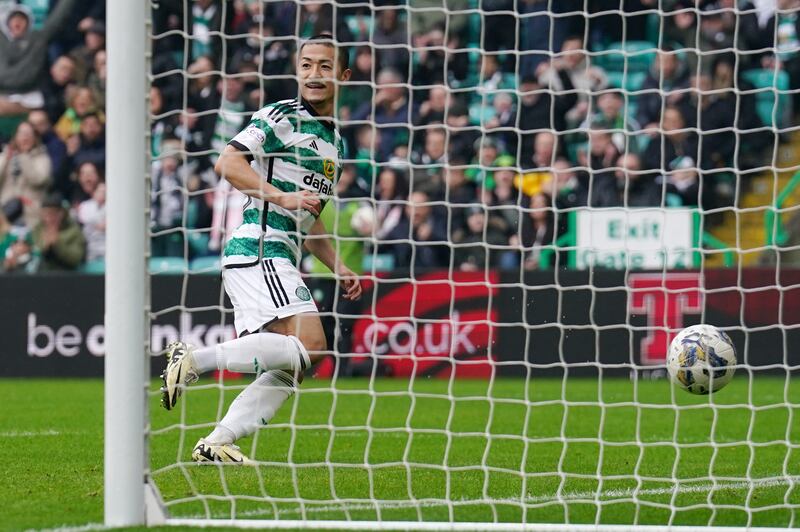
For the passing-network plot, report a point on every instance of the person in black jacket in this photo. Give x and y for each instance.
(540, 109)
(422, 234)
(674, 141)
(668, 76)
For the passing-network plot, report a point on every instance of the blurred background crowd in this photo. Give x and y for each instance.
(470, 126)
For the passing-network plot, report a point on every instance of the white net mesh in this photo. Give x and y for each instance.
(539, 195)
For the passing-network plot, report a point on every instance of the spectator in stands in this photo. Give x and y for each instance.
(669, 76)
(502, 120)
(391, 112)
(391, 37)
(57, 239)
(91, 214)
(423, 235)
(359, 86)
(88, 178)
(23, 55)
(545, 150)
(480, 171)
(611, 115)
(433, 109)
(431, 161)
(431, 60)
(542, 112)
(25, 172)
(568, 189)
(81, 103)
(725, 25)
(492, 81)
(166, 206)
(677, 141)
(536, 231)
(585, 79)
(56, 148)
(682, 183)
(206, 17)
(539, 30)
(161, 127)
(504, 199)
(319, 17)
(717, 118)
(477, 245)
(14, 249)
(202, 95)
(391, 194)
(459, 192)
(603, 153)
(90, 144)
(94, 41)
(782, 34)
(736, 91)
(633, 187)
(54, 88)
(97, 78)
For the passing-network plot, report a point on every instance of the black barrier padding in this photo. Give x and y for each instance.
(556, 322)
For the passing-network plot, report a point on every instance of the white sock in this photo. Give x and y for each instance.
(256, 405)
(220, 436)
(254, 353)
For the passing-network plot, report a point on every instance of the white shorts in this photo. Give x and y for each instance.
(266, 292)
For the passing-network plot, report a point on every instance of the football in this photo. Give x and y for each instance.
(701, 359)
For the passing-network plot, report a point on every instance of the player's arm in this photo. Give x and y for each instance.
(234, 166)
(320, 246)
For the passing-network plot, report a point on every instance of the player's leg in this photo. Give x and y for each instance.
(261, 400)
(259, 296)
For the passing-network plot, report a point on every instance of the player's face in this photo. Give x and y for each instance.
(318, 72)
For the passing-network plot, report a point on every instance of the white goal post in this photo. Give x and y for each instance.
(350, 454)
(126, 282)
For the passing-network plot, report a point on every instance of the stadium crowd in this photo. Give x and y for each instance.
(463, 127)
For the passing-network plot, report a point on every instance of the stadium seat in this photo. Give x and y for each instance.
(94, 267)
(211, 264)
(628, 81)
(767, 86)
(639, 56)
(168, 265)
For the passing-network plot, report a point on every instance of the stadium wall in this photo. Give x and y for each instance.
(555, 320)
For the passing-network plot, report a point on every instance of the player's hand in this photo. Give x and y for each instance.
(302, 200)
(350, 284)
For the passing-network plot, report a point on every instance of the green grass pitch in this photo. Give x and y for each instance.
(548, 453)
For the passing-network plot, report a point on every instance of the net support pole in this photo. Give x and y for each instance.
(125, 360)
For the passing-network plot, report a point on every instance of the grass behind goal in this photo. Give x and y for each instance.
(60, 428)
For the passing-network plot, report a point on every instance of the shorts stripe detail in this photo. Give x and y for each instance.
(272, 278)
(277, 278)
(269, 287)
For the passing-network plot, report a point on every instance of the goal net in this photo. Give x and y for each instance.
(538, 195)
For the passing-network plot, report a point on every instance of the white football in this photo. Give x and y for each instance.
(701, 359)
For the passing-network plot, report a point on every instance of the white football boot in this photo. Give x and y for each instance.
(179, 372)
(206, 451)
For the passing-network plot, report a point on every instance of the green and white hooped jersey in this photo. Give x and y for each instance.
(293, 149)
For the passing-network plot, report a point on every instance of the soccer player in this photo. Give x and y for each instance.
(286, 161)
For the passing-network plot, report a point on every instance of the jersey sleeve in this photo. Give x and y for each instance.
(266, 134)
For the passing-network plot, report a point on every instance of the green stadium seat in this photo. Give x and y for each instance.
(167, 265)
(627, 81)
(94, 267)
(638, 55)
(771, 88)
(212, 264)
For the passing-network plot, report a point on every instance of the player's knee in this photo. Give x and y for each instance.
(316, 346)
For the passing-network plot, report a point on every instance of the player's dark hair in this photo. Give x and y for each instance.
(327, 39)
